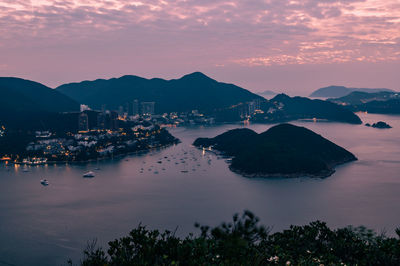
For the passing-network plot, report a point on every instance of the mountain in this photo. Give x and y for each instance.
(193, 91)
(284, 150)
(285, 108)
(340, 91)
(22, 95)
(358, 97)
(384, 102)
(380, 107)
(24, 103)
(267, 93)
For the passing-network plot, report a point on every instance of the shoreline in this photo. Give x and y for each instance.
(118, 156)
(321, 175)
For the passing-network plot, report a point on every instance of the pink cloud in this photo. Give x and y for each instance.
(183, 34)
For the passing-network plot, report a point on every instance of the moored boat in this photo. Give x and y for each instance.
(89, 174)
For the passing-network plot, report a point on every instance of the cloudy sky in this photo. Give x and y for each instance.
(282, 45)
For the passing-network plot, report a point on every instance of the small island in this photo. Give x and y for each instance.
(284, 150)
(379, 124)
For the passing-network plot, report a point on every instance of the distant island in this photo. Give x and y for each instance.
(340, 91)
(267, 93)
(284, 150)
(391, 106)
(283, 108)
(384, 102)
(379, 124)
(359, 97)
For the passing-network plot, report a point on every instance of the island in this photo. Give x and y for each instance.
(283, 108)
(340, 91)
(285, 150)
(384, 102)
(379, 124)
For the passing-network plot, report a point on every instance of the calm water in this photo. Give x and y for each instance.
(47, 225)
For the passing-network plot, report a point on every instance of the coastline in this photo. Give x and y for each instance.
(321, 175)
(117, 156)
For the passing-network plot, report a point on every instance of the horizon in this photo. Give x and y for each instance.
(307, 94)
(284, 46)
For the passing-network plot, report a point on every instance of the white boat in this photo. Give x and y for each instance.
(89, 174)
(44, 182)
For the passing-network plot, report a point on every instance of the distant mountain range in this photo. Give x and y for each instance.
(31, 105)
(267, 93)
(25, 95)
(358, 97)
(384, 102)
(282, 151)
(284, 108)
(25, 103)
(381, 107)
(340, 91)
(193, 91)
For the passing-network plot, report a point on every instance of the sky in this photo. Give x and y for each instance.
(282, 45)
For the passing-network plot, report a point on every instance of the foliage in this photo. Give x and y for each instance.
(245, 242)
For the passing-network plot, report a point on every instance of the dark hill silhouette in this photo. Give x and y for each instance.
(27, 104)
(381, 107)
(379, 102)
(358, 97)
(283, 150)
(193, 91)
(292, 108)
(340, 91)
(24, 95)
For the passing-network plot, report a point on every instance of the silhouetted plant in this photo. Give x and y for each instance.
(244, 242)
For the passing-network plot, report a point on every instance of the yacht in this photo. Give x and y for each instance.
(89, 174)
(44, 182)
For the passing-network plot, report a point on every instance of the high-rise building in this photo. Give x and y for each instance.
(83, 122)
(121, 110)
(101, 120)
(252, 107)
(147, 108)
(135, 107)
(127, 110)
(114, 120)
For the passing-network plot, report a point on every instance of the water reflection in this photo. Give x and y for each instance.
(181, 184)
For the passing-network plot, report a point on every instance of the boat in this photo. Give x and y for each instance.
(44, 182)
(89, 174)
